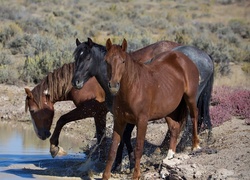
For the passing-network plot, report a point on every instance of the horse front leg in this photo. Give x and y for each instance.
(126, 139)
(100, 124)
(141, 133)
(117, 135)
(73, 115)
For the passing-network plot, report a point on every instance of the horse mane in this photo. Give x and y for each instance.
(57, 83)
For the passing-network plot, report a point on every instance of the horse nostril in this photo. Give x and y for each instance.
(77, 82)
(109, 85)
(118, 84)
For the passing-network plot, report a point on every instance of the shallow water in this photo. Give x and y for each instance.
(20, 149)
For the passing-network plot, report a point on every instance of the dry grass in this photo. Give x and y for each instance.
(236, 78)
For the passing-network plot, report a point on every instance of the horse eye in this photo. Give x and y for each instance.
(81, 53)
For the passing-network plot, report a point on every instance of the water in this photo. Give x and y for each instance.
(24, 156)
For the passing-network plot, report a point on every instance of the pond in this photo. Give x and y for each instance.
(24, 156)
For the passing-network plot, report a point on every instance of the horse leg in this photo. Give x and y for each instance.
(191, 103)
(64, 119)
(141, 133)
(118, 160)
(100, 124)
(127, 140)
(80, 112)
(174, 128)
(117, 135)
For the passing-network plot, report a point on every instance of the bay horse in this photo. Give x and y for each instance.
(89, 59)
(56, 86)
(144, 93)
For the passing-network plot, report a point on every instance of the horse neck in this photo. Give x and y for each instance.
(58, 83)
(101, 75)
(133, 70)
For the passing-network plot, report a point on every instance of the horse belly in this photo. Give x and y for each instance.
(165, 104)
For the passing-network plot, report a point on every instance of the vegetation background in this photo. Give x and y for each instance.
(37, 36)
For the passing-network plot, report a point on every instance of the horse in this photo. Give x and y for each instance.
(56, 86)
(89, 59)
(145, 93)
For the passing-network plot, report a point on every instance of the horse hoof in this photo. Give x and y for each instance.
(54, 150)
(57, 151)
(61, 152)
(170, 154)
(196, 148)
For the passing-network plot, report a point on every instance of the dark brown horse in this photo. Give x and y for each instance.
(144, 93)
(56, 87)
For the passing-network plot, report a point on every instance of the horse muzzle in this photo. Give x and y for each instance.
(77, 84)
(114, 87)
(43, 134)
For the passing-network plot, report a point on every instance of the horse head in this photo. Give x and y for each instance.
(84, 63)
(115, 58)
(41, 112)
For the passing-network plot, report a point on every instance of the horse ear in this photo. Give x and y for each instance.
(77, 42)
(29, 93)
(108, 44)
(90, 42)
(124, 45)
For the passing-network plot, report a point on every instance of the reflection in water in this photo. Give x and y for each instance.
(23, 155)
(17, 140)
(17, 143)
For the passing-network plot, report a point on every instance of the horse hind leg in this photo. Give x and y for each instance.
(174, 129)
(193, 110)
(175, 121)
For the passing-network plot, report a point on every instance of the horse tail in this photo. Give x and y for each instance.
(204, 102)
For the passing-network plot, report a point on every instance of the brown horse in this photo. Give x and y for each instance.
(89, 59)
(144, 93)
(56, 86)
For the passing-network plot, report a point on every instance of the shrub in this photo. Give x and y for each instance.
(37, 67)
(19, 44)
(240, 28)
(8, 31)
(8, 75)
(227, 102)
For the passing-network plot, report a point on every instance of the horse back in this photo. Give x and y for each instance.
(177, 65)
(146, 53)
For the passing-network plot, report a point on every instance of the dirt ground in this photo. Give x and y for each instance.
(227, 157)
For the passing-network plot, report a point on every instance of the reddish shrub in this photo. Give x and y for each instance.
(227, 102)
